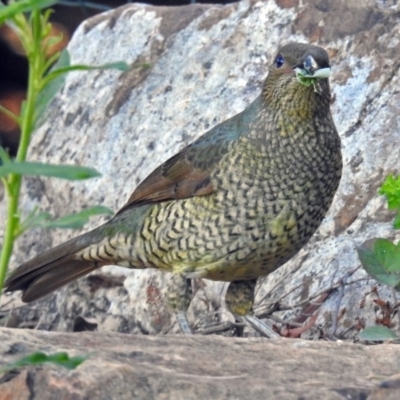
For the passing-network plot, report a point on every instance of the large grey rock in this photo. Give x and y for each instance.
(198, 367)
(206, 64)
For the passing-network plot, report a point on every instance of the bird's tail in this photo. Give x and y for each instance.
(54, 268)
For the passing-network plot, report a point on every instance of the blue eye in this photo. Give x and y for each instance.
(279, 61)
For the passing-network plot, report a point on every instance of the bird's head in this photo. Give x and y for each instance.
(298, 75)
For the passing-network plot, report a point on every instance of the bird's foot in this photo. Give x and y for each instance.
(239, 300)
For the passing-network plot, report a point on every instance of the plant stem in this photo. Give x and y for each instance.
(35, 58)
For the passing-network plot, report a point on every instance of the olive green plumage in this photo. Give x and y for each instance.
(234, 205)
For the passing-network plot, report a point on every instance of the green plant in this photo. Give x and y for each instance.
(391, 189)
(61, 359)
(46, 75)
(377, 333)
(381, 257)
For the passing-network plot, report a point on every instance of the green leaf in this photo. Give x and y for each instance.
(74, 221)
(4, 156)
(35, 218)
(381, 259)
(119, 65)
(9, 114)
(62, 359)
(9, 11)
(70, 172)
(388, 254)
(391, 189)
(54, 40)
(50, 88)
(377, 333)
(396, 222)
(55, 79)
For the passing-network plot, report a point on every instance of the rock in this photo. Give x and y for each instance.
(389, 389)
(121, 366)
(194, 67)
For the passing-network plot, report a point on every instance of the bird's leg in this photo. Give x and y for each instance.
(239, 300)
(178, 297)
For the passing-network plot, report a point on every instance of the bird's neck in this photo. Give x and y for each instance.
(288, 117)
(295, 102)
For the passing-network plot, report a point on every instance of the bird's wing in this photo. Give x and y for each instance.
(187, 174)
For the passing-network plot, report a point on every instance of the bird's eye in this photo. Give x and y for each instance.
(279, 61)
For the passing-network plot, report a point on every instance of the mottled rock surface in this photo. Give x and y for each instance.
(206, 63)
(198, 367)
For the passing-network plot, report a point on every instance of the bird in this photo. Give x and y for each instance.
(232, 206)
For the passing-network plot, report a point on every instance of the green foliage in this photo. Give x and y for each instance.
(55, 79)
(381, 258)
(47, 72)
(15, 8)
(50, 88)
(377, 333)
(391, 189)
(46, 76)
(69, 172)
(61, 359)
(72, 221)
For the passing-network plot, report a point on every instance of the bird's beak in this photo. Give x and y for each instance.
(309, 72)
